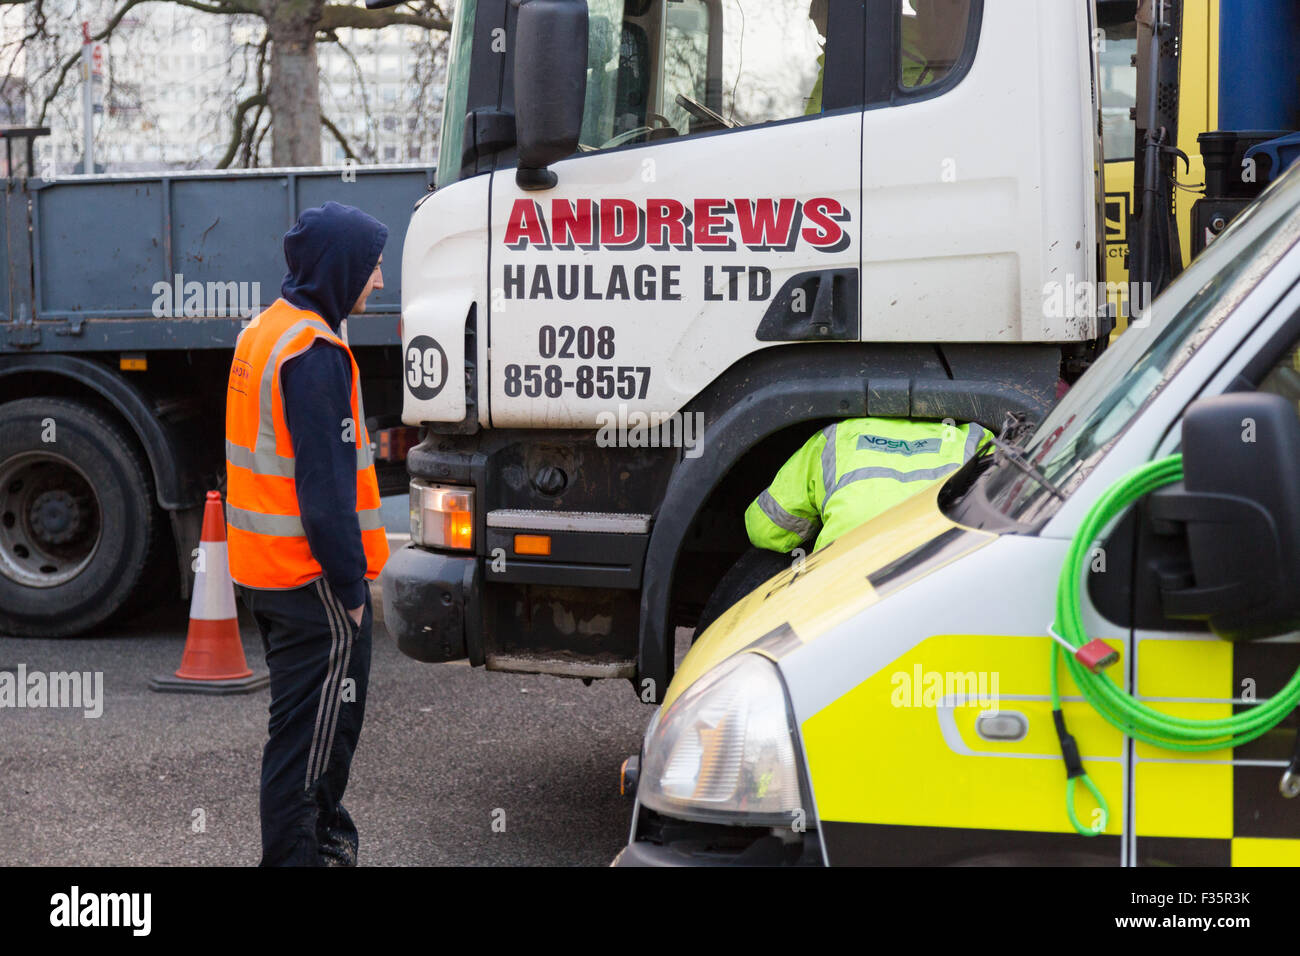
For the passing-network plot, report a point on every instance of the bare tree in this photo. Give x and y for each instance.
(286, 76)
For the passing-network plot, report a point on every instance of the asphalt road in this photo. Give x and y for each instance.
(444, 750)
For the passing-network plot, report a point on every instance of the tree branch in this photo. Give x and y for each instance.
(361, 86)
(219, 6)
(113, 21)
(257, 99)
(255, 144)
(334, 131)
(359, 18)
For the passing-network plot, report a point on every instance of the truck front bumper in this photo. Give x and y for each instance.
(431, 604)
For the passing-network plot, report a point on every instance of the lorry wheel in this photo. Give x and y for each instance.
(77, 519)
(750, 570)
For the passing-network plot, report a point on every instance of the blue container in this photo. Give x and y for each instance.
(1259, 64)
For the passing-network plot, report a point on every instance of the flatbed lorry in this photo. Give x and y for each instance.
(119, 309)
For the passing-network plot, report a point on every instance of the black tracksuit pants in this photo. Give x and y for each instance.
(319, 662)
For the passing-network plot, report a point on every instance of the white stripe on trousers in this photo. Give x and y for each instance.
(333, 721)
(331, 677)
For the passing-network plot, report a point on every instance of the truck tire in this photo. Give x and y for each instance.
(78, 524)
(750, 570)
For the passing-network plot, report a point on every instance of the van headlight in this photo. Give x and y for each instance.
(724, 751)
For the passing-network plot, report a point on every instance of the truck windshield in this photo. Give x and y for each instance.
(455, 102)
(1086, 422)
(659, 69)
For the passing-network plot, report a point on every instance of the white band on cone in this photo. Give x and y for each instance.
(214, 592)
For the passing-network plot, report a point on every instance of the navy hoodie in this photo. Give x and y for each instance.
(331, 252)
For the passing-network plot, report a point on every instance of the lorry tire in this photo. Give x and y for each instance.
(750, 570)
(78, 524)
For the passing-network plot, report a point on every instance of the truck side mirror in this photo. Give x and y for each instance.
(550, 86)
(1239, 503)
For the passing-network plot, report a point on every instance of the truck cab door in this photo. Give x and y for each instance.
(979, 173)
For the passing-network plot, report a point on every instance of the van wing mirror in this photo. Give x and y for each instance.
(550, 85)
(1239, 507)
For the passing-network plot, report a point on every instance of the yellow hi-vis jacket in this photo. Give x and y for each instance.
(851, 471)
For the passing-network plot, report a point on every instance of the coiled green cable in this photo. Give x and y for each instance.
(1117, 706)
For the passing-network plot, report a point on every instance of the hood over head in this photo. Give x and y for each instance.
(331, 251)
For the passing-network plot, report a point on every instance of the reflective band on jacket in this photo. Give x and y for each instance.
(893, 474)
(270, 463)
(851, 471)
(268, 546)
(783, 519)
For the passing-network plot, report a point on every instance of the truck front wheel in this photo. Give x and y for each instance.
(750, 570)
(77, 518)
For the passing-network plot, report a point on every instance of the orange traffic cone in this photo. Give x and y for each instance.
(213, 662)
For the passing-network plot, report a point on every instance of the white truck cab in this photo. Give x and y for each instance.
(670, 240)
(724, 176)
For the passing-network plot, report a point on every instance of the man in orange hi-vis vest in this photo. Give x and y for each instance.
(303, 528)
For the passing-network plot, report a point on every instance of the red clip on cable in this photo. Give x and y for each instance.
(1096, 655)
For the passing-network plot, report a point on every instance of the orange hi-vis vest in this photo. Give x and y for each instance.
(267, 545)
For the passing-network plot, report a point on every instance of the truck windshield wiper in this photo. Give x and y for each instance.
(1009, 447)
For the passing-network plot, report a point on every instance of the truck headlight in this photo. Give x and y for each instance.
(442, 516)
(724, 751)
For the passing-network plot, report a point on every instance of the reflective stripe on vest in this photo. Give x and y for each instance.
(832, 483)
(268, 547)
(269, 463)
(288, 526)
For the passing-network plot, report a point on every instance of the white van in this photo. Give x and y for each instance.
(889, 699)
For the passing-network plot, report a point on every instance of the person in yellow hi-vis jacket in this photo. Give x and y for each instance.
(851, 471)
